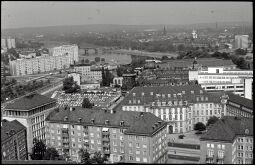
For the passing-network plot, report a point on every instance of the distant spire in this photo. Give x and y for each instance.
(164, 32)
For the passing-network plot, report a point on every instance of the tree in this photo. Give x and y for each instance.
(86, 103)
(87, 61)
(98, 158)
(199, 126)
(85, 157)
(97, 59)
(212, 120)
(38, 150)
(180, 47)
(240, 51)
(69, 86)
(164, 58)
(51, 154)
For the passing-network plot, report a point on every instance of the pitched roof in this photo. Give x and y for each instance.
(150, 94)
(203, 61)
(240, 100)
(29, 102)
(135, 122)
(228, 128)
(7, 126)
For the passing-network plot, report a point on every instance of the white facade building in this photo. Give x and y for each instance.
(3, 43)
(241, 41)
(222, 79)
(70, 50)
(181, 106)
(11, 43)
(248, 88)
(87, 74)
(39, 64)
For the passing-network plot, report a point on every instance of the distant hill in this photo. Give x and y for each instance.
(58, 30)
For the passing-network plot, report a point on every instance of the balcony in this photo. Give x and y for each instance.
(210, 156)
(105, 133)
(106, 151)
(106, 145)
(220, 158)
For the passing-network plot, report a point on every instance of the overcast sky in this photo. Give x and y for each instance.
(31, 14)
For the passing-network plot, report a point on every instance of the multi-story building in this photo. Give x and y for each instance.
(31, 111)
(2, 71)
(130, 137)
(241, 41)
(70, 50)
(239, 106)
(228, 141)
(3, 43)
(221, 78)
(88, 74)
(76, 77)
(181, 106)
(13, 140)
(39, 64)
(11, 43)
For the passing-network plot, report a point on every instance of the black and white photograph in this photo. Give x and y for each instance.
(141, 82)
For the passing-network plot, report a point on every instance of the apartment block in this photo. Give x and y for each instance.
(130, 137)
(180, 106)
(70, 50)
(37, 65)
(31, 111)
(13, 140)
(228, 141)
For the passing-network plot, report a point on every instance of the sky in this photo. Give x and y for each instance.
(35, 14)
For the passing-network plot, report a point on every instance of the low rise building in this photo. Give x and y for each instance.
(118, 81)
(13, 140)
(87, 73)
(130, 137)
(31, 111)
(228, 141)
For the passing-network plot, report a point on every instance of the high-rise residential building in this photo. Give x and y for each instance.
(39, 64)
(221, 78)
(228, 141)
(2, 71)
(130, 137)
(13, 140)
(31, 111)
(241, 41)
(239, 106)
(70, 50)
(11, 43)
(3, 43)
(181, 106)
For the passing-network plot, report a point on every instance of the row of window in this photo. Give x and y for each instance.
(219, 146)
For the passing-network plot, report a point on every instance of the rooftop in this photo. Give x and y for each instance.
(29, 102)
(36, 162)
(228, 128)
(139, 123)
(240, 100)
(203, 61)
(7, 126)
(146, 95)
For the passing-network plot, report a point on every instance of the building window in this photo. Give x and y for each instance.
(144, 159)
(131, 158)
(144, 146)
(130, 144)
(137, 159)
(137, 152)
(212, 145)
(137, 145)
